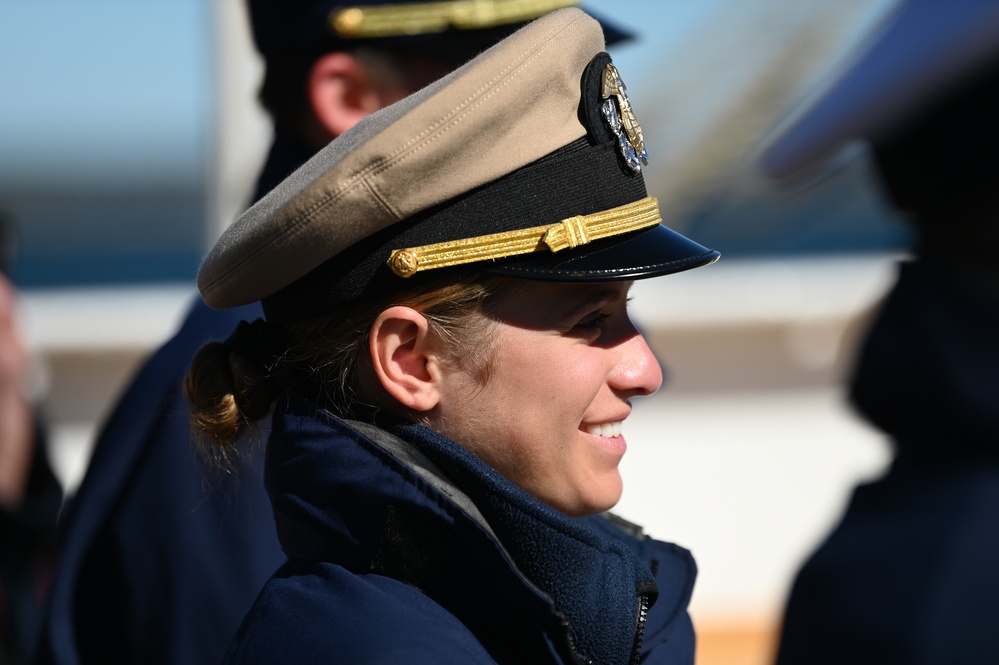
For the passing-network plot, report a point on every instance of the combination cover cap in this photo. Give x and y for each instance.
(527, 161)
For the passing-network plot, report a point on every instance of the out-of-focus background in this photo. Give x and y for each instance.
(129, 137)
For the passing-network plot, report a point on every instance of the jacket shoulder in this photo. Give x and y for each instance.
(309, 612)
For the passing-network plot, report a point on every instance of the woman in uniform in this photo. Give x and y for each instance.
(450, 363)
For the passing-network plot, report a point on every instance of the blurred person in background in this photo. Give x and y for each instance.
(158, 561)
(909, 575)
(30, 495)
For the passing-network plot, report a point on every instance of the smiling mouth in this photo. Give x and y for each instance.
(605, 430)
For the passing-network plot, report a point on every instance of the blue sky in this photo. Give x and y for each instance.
(657, 24)
(86, 83)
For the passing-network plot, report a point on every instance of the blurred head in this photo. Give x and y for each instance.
(316, 99)
(941, 168)
(463, 260)
(329, 64)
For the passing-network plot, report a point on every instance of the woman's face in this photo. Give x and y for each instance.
(565, 362)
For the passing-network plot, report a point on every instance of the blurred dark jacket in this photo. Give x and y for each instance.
(910, 575)
(28, 551)
(159, 557)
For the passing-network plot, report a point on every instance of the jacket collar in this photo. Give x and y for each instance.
(356, 496)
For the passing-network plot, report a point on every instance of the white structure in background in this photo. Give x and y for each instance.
(243, 131)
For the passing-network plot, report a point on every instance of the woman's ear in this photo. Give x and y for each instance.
(405, 359)
(341, 92)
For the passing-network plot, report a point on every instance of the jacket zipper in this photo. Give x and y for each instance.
(643, 615)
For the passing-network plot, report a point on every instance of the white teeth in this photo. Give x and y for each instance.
(606, 430)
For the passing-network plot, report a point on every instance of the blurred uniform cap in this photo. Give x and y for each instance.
(526, 162)
(452, 29)
(923, 53)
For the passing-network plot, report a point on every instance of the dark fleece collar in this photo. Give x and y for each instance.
(593, 581)
(333, 488)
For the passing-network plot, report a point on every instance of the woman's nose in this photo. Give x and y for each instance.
(637, 370)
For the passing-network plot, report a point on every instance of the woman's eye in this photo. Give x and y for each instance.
(595, 322)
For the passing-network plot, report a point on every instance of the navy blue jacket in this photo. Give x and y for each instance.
(28, 548)
(910, 575)
(404, 547)
(159, 562)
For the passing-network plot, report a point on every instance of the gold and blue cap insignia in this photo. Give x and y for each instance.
(616, 109)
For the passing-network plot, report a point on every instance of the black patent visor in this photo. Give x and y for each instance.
(637, 255)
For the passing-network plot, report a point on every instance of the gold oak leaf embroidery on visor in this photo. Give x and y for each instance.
(566, 234)
(430, 17)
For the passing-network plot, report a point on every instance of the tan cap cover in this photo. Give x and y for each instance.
(510, 106)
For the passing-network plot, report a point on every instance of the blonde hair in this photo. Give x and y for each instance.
(233, 384)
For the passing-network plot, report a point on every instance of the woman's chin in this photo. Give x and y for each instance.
(596, 500)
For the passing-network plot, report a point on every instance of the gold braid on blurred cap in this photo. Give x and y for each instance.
(419, 18)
